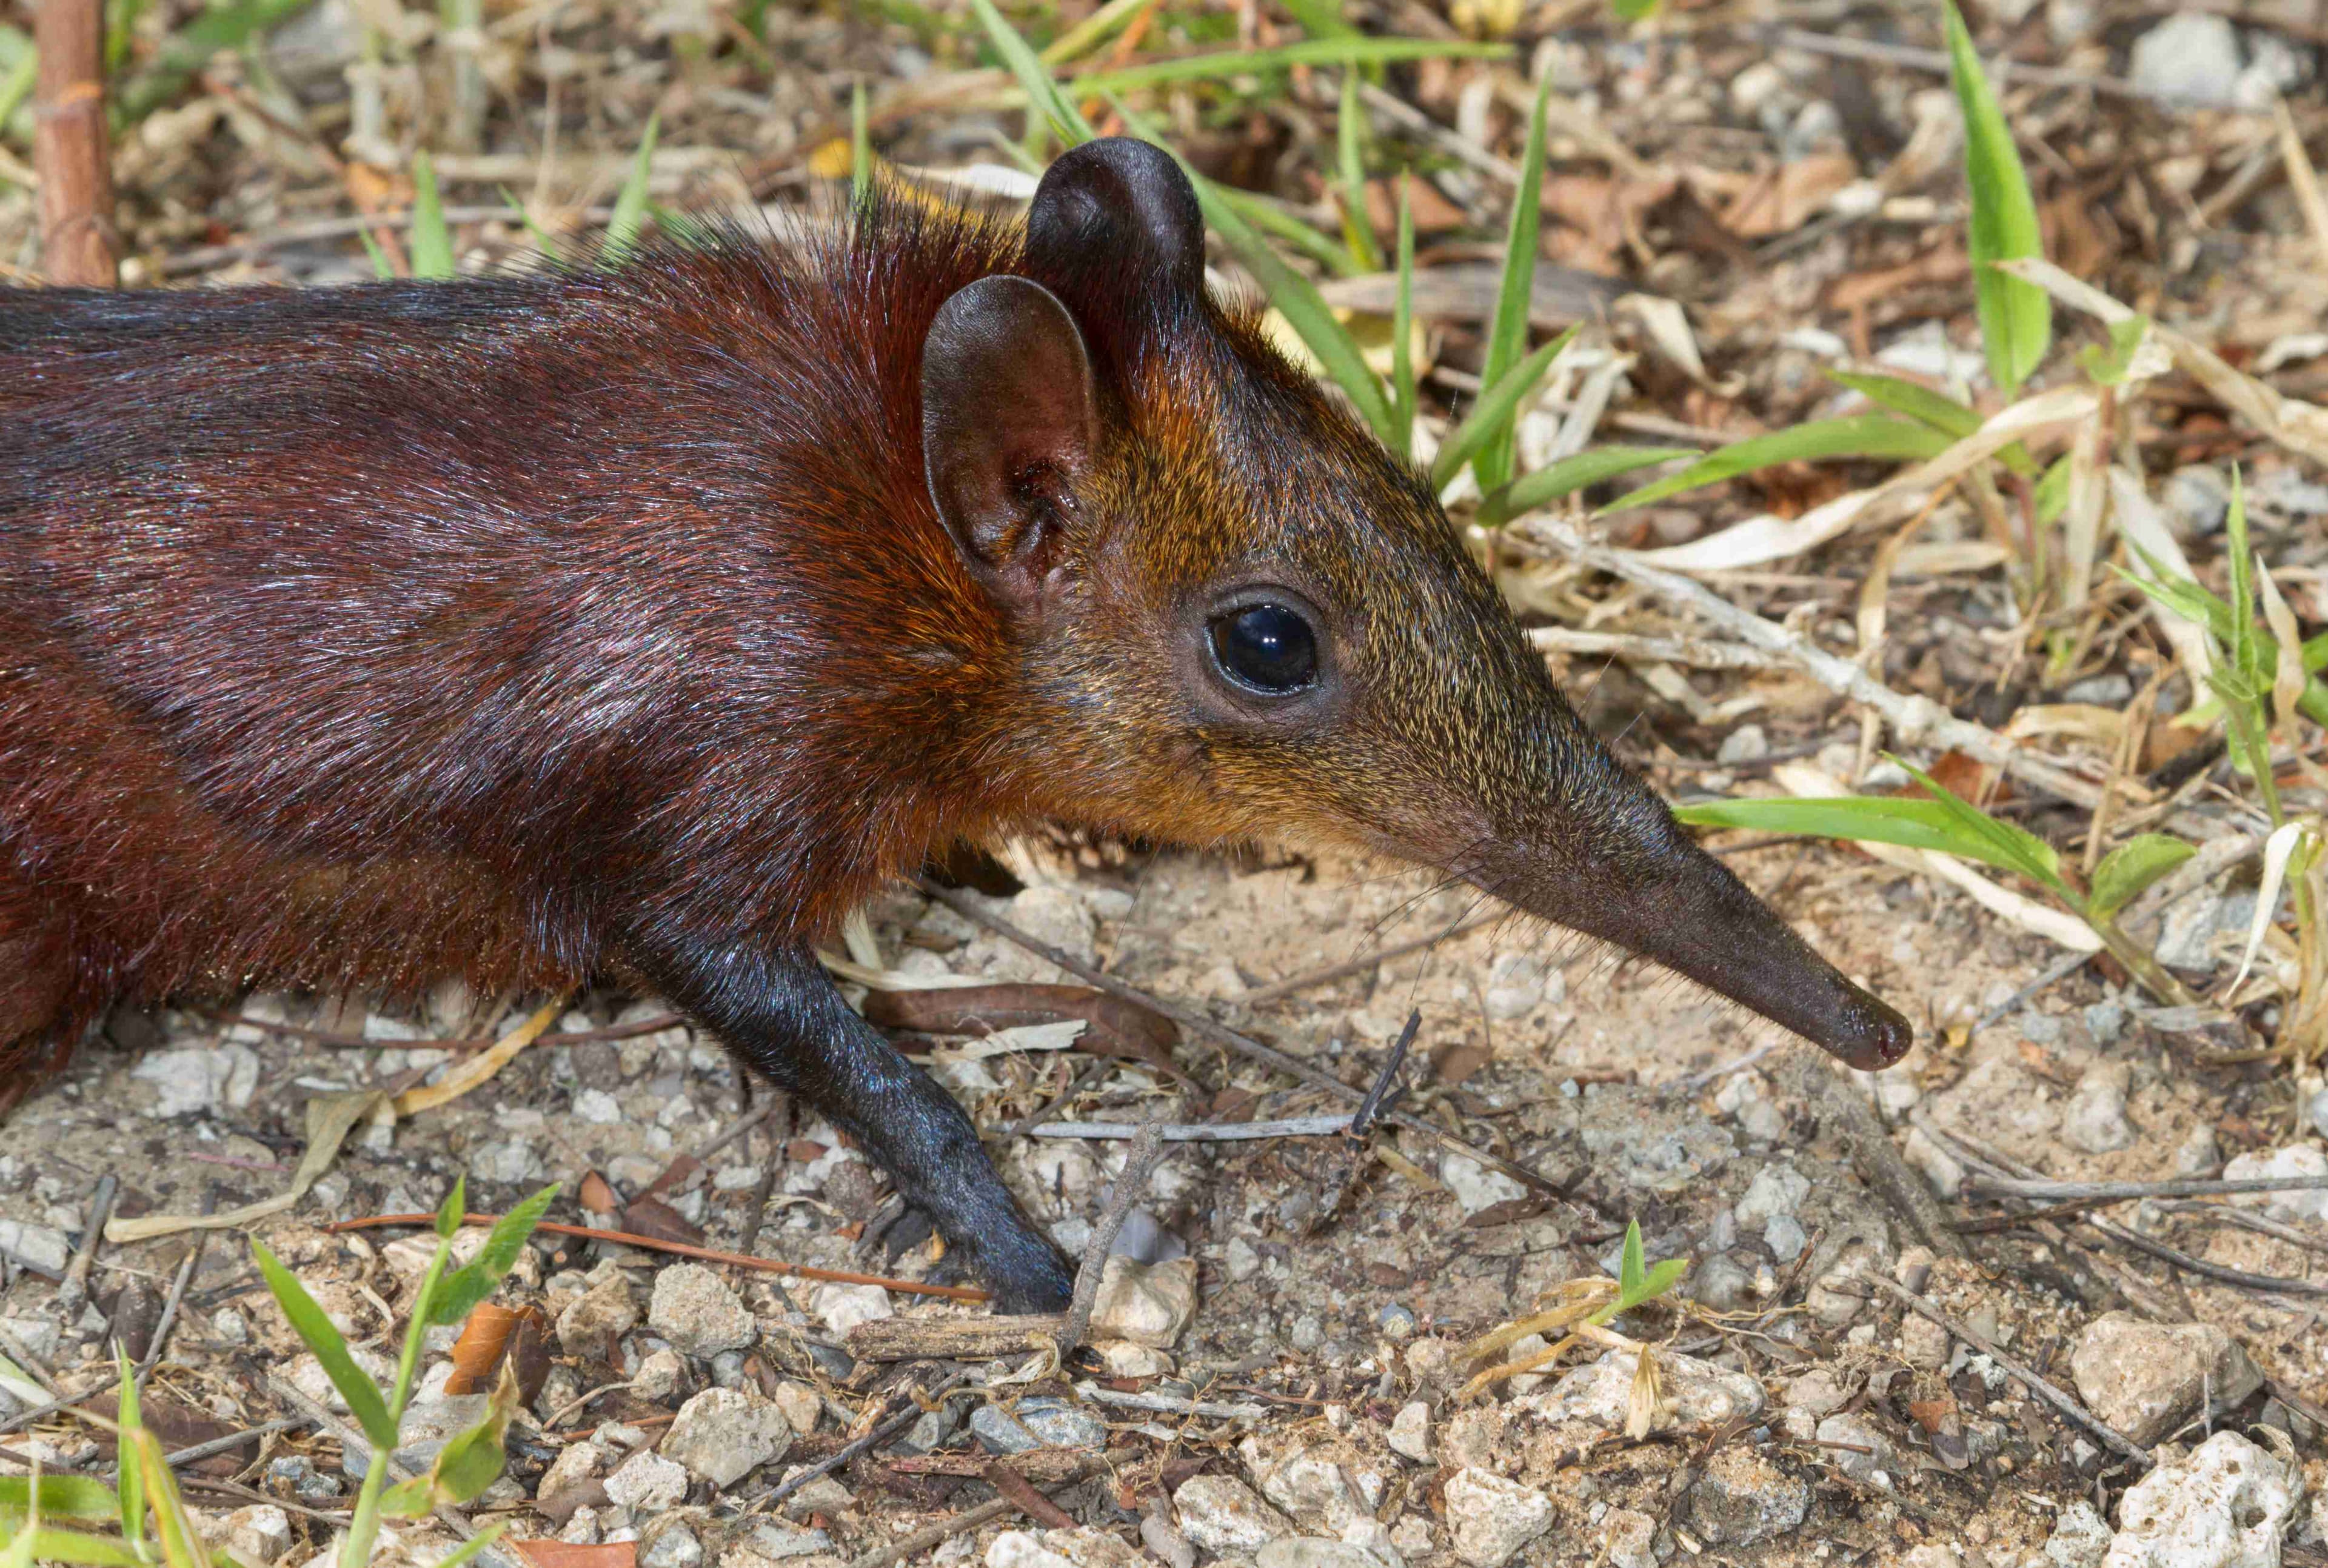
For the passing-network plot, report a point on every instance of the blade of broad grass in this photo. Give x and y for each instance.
(2130, 867)
(1492, 417)
(309, 1321)
(432, 238)
(132, 1501)
(1507, 329)
(1571, 475)
(1319, 18)
(180, 1540)
(1822, 440)
(1350, 146)
(631, 203)
(1267, 216)
(1941, 412)
(120, 31)
(1049, 103)
(1402, 333)
(2016, 318)
(383, 268)
(1349, 50)
(474, 1544)
(1093, 31)
(468, 1286)
(16, 81)
(542, 240)
(60, 1496)
(2022, 851)
(860, 147)
(39, 1543)
(1299, 301)
(2191, 601)
(1918, 824)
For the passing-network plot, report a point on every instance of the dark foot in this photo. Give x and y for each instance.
(1041, 1283)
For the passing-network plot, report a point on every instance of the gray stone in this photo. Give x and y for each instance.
(2102, 690)
(1491, 1519)
(2199, 1154)
(607, 1309)
(1821, 1390)
(1221, 1514)
(676, 1547)
(777, 1542)
(198, 1080)
(1742, 1499)
(2303, 1159)
(1021, 1549)
(1314, 1552)
(1150, 1304)
(1475, 1186)
(1321, 1486)
(1776, 1191)
(257, 1534)
(1696, 1392)
(428, 1425)
(2190, 935)
(647, 1480)
(723, 1434)
(1923, 1343)
(1036, 1424)
(2197, 55)
(1171, 1547)
(2106, 1021)
(1785, 1238)
(1747, 743)
(2147, 1379)
(2226, 1505)
(1410, 1432)
(1630, 1539)
(660, 1377)
(2081, 1537)
(1396, 1321)
(1855, 1433)
(2095, 1118)
(694, 1308)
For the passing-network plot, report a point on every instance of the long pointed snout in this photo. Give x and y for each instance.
(1635, 879)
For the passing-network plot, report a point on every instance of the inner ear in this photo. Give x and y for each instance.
(1010, 426)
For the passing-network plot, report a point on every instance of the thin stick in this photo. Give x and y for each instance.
(1083, 1080)
(2001, 68)
(1221, 1033)
(1140, 1163)
(1365, 962)
(1201, 1132)
(331, 1426)
(170, 1308)
(233, 1440)
(682, 1249)
(24, 1418)
(1371, 1106)
(1017, 1488)
(847, 1451)
(2222, 1275)
(1912, 719)
(72, 147)
(2058, 1398)
(1871, 1150)
(1173, 1404)
(74, 1290)
(1978, 1185)
(906, 1547)
(2052, 975)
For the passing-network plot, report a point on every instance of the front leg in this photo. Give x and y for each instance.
(781, 1013)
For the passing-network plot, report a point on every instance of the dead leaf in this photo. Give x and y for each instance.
(488, 1337)
(1947, 265)
(1113, 1026)
(551, 1554)
(650, 1216)
(1434, 213)
(1781, 199)
(597, 1195)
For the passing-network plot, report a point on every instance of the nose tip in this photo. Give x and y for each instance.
(1871, 1034)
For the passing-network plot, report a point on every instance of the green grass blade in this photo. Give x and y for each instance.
(1350, 146)
(1034, 77)
(1345, 51)
(1492, 417)
(309, 1321)
(2241, 643)
(1942, 413)
(461, 1292)
(860, 147)
(1632, 1274)
(17, 81)
(1919, 824)
(1402, 333)
(48, 1545)
(631, 204)
(61, 1497)
(1571, 475)
(130, 1507)
(1093, 31)
(1854, 435)
(382, 267)
(542, 239)
(1298, 300)
(474, 1545)
(1319, 18)
(432, 238)
(2132, 866)
(1273, 220)
(2021, 850)
(2016, 318)
(1507, 330)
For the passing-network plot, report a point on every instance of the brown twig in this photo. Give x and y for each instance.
(71, 147)
(1140, 1163)
(1981, 1185)
(2060, 1399)
(999, 1474)
(1871, 1150)
(849, 1451)
(1244, 1045)
(684, 1250)
(74, 1290)
(347, 1042)
(906, 1547)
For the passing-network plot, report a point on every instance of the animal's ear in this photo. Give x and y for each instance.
(1119, 217)
(1009, 425)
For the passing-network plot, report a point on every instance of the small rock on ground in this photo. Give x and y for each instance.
(694, 1309)
(1221, 1514)
(1149, 1304)
(2224, 1507)
(2146, 1379)
(723, 1434)
(1742, 1499)
(1492, 1518)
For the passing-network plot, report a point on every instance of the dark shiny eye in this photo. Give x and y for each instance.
(1266, 648)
